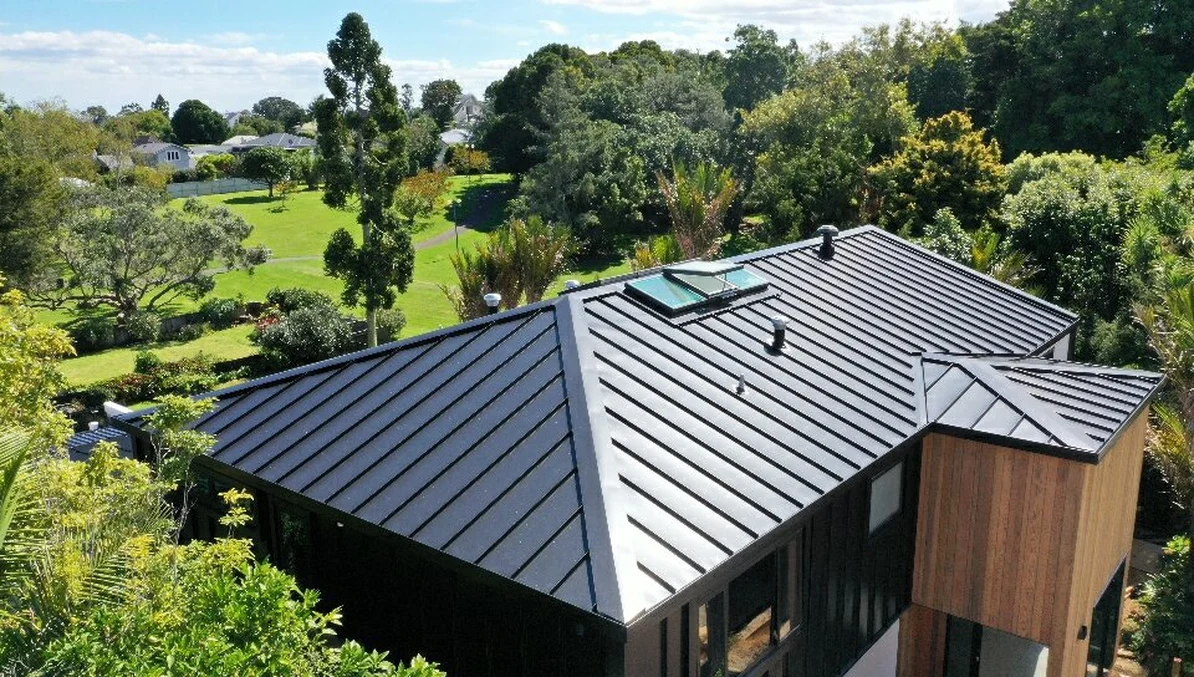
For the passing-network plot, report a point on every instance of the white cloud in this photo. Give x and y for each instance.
(807, 21)
(112, 68)
(554, 27)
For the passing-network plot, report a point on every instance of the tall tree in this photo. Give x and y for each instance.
(196, 122)
(362, 141)
(439, 101)
(31, 198)
(407, 99)
(130, 108)
(756, 67)
(161, 105)
(96, 114)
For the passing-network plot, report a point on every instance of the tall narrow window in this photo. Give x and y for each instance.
(685, 642)
(751, 616)
(790, 612)
(886, 496)
(663, 648)
(711, 637)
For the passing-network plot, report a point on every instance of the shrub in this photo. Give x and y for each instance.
(143, 327)
(1167, 612)
(391, 322)
(296, 298)
(190, 332)
(146, 362)
(93, 333)
(304, 336)
(221, 313)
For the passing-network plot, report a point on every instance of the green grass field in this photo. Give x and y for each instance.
(297, 231)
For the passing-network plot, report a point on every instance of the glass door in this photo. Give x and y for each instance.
(1104, 627)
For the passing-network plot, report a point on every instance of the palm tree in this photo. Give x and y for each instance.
(698, 201)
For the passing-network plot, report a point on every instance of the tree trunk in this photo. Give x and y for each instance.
(371, 327)
(271, 191)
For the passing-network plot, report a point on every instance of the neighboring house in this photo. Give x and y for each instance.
(467, 111)
(106, 163)
(847, 456)
(233, 117)
(238, 140)
(283, 140)
(161, 154)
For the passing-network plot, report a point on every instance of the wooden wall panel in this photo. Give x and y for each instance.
(922, 643)
(1105, 529)
(997, 535)
(1021, 541)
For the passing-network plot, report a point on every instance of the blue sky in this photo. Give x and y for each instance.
(230, 54)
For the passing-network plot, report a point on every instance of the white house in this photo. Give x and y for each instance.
(161, 154)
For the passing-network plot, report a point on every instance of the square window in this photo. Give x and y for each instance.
(886, 495)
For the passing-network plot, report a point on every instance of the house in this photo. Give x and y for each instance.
(282, 140)
(161, 154)
(844, 456)
(238, 140)
(467, 111)
(106, 163)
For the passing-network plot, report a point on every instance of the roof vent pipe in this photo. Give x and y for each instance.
(779, 326)
(827, 234)
(494, 301)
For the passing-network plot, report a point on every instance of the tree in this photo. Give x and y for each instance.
(161, 105)
(130, 108)
(1166, 629)
(407, 99)
(439, 101)
(196, 122)
(31, 198)
(122, 248)
(267, 164)
(29, 376)
(51, 132)
(947, 163)
(1181, 108)
(283, 111)
(96, 114)
(756, 67)
(419, 195)
(362, 143)
(518, 261)
(698, 201)
(256, 125)
(151, 123)
(423, 143)
(470, 161)
(511, 132)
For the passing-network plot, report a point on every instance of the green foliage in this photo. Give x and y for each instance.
(50, 132)
(143, 326)
(1167, 625)
(419, 195)
(30, 199)
(93, 332)
(698, 201)
(363, 146)
(439, 100)
(1181, 108)
(756, 67)
(221, 313)
(297, 298)
(29, 376)
(129, 126)
(304, 336)
(391, 322)
(160, 105)
(195, 122)
(946, 236)
(655, 252)
(306, 166)
(153, 378)
(422, 143)
(285, 112)
(212, 167)
(947, 164)
(267, 164)
(518, 261)
(125, 249)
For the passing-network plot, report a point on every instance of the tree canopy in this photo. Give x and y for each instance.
(268, 164)
(439, 101)
(196, 122)
(285, 112)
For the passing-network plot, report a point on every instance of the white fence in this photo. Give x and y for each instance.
(197, 188)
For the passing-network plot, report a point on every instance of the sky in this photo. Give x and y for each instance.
(230, 54)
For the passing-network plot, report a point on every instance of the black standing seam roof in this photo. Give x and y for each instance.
(597, 451)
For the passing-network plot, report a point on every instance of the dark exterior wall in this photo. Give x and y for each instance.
(397, 598)
(855, 585)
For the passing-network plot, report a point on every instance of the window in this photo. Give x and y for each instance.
(663, 648)
(790, 597)
(687, 285)
(711, 637)
(751, 616)
(171, 155)
(886, 495)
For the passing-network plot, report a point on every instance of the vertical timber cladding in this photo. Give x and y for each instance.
(1022, 541)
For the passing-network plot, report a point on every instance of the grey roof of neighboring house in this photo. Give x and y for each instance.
(454, 136)
(157, 147)
(279, 140)
(598, 451)
(81, 444)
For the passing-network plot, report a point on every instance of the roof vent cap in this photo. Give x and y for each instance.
(827, 233)
(741, 388)
(779, 326)
(493, 300)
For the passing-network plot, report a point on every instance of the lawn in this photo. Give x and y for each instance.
(297, 231)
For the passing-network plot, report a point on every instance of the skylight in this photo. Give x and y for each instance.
(685, 286)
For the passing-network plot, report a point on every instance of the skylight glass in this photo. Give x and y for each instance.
(689, 285)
